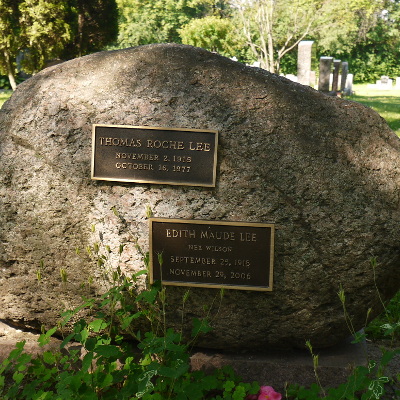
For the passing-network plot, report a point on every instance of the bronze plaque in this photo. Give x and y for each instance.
(212, 254)
(154, 155)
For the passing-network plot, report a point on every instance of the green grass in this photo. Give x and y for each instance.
(385, 102)
(4, 95)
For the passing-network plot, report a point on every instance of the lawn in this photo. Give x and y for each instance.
(384, 102)
(4, 95)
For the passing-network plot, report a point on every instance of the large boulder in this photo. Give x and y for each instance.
(325, 170)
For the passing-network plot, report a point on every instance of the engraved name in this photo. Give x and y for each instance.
(155, 144)
(206, 234)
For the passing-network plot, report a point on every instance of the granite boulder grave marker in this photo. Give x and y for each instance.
(324, 170)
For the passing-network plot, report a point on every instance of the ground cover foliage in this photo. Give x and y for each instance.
(103, 357)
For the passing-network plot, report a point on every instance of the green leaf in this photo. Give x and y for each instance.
(127, 320)
(149, 296)
(175, 371)
(67, 340)
(229, 386)
(105, 381)
(91, 343)
(19, 347)
(24, 359)
(49, 357)
(98, 325)
(388, 356)
(239, 393)
(87, 361)
(200, 326)
(17, 376)
(108, 351)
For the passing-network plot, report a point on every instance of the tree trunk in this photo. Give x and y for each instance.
(10, 70)
(80, 33)
(12, 80)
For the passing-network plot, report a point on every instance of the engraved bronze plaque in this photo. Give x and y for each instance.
(212, 254)
(154, 155)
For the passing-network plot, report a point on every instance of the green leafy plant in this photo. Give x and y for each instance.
(365, 382)
(387, 325)
(104, 357)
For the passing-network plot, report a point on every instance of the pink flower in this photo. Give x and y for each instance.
(268, 393)
(265, 393)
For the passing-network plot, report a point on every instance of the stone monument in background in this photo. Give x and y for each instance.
(335, 77)
(325, 69)
(343, 80)
(304, 62)
(325, 172)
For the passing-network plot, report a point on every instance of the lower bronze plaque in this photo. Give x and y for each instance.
(154, 155)
(212, 254)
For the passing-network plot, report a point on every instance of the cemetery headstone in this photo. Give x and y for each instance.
(292, 77)
(345, 71)
(325, 68)
(349, 84)
(336, 70)
(304, 61)
(323, 171)
(313, 79)
(384, 80)
(384, 83)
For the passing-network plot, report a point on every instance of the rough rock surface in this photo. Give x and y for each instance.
(325, 170)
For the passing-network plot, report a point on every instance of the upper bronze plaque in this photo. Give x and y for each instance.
(154, 155)
(233, 255)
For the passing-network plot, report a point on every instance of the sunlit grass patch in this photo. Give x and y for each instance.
(385, 102)
(4, 95)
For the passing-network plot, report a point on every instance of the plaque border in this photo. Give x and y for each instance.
(224, 223)
(160, 128)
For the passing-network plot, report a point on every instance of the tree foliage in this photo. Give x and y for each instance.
(211, 33)
(275, 27)
(364, 32)
(378, 52)
(9, 44)
(143, 22)
(95, 25)
(44, 31)
(41, 30)
(159, 21)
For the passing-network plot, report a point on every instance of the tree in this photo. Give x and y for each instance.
(44, 31)
(217, 8)
(158, 21)
(9, 44)
(211, 33)
(275, 27)
(378, 52)
(94, 24)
